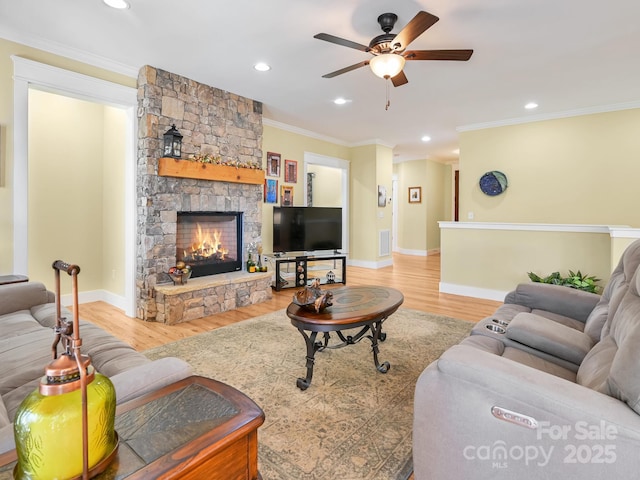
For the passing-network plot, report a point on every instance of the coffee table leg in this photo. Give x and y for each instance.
(378, 334)
(310, 341)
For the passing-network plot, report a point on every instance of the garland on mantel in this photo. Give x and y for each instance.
(217, 160)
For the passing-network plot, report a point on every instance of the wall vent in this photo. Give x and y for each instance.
(385, 243)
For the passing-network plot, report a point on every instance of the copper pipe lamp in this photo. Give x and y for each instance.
(65, 428)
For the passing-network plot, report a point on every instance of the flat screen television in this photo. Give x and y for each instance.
(306, 229)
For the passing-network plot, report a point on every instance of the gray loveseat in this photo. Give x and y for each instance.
(559, 397)
(27, 316)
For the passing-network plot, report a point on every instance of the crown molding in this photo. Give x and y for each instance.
(550, 116)
(325, 138)
(302, 131)
(71, 53)
(373, 141)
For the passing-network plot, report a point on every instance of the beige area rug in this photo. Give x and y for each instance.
(352, 422)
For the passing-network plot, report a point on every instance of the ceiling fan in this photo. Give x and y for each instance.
(389, 50)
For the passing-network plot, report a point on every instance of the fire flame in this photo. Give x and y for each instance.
(206, 245)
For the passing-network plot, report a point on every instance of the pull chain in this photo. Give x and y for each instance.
(388, 104)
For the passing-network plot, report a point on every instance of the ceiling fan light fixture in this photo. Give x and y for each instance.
(119, 4)
(387, 65)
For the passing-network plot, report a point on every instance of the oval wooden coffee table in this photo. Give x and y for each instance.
(364, 307)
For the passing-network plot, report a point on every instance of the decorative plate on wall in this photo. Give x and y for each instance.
(493, 183)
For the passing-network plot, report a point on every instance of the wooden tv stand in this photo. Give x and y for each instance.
(296, 271)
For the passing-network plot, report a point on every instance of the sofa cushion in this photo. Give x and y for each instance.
(45, 314)
(18, 323)
(561, 319)
(22, 296)
(497, 347)
(594, 369)
(550, 337)
(4, 416)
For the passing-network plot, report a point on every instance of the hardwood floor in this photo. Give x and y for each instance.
(416, 277)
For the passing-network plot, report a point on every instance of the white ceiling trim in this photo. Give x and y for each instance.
(302, 131)
(551, 116)
(71, 53)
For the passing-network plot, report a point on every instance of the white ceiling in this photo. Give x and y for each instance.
(567, 55)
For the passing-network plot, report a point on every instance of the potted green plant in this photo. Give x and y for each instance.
(577, 280)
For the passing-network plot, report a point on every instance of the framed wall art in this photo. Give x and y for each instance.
(273, 164)
(286, 196)
(382, 196)
(415, 194)
(291, 171)
(270, 190)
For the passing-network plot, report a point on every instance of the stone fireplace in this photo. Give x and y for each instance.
(213, 122)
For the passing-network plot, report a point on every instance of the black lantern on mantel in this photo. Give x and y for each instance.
(172, 143)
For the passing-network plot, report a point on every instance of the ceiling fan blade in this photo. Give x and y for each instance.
(399, 79)
(346, 69)
(461, 55)
(416, 27)
(341, 41)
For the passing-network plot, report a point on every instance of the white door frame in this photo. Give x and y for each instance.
(394, 213)
(30, 74)
(316, 159)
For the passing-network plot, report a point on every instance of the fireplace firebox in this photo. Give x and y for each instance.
(210, 242)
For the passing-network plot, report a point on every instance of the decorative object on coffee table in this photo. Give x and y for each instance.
(313, 298)
(72, 399)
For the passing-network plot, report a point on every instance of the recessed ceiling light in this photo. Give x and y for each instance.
(531, 105)
(426, 138)
(119, 4)
(262, 67)
(340, 101)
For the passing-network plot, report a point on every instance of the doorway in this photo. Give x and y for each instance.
(336, 171)
(31, 76)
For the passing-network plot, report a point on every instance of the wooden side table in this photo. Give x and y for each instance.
(196, 428)
(9, 279)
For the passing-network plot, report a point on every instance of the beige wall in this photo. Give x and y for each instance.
(363, 237)
(434, 197)
(76, 190)
(113, 201)
(580, 170)
(6, 129)
(499, 259)
(412, 224)
(418, 230)
(327, 186)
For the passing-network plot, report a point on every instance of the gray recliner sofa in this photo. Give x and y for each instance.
(492, 407)
(27, 316)
(559, 324)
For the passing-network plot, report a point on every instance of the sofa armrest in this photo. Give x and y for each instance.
(456, 435)
(149, 377)
(23, 296)
(550, 337)
(566, 301)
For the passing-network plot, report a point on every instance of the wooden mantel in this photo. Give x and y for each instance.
(173, 167)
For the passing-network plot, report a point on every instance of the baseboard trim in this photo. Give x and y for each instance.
(95, 296)
(468, 291)
(368, 264)
(415, 253)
